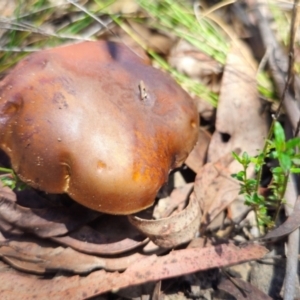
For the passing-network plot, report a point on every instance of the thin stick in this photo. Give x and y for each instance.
(290, 57)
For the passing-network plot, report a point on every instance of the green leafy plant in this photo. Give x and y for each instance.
(288, 161)
(11, 180)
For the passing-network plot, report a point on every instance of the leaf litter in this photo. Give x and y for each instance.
(63, 240)
(174, 230)
(241, 122)
(242, 290)
(147, 269)
(45, 222)
(215, 189)
(239, 109)
(41, 257)
(89, 240)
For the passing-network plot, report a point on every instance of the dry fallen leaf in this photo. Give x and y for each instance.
(45, 222)
(189, 60)
(215, 189)
(38, 256)
(152, 268)
(89, 240)
(9, 228)
(197, 157)
(174, 230)
(291, 224)
(242, 290)
(240, 122)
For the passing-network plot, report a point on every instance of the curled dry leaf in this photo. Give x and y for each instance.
(89, 240)
(174, 230)
(37, 256)
(46, 222)
(151, 268)
(215, 189)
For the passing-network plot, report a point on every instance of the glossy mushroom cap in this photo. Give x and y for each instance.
(95, 121)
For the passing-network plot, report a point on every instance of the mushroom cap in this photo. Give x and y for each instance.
(94, 120)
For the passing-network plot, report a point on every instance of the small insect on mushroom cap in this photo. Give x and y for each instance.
(96, 121)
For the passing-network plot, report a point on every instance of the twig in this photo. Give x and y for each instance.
(290, 59)
(297, 128)
(279, 65)
(292, 244)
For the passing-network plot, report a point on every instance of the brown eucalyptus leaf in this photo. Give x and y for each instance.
(38, 256)
(151, 268)
(197, 157)
(174, 230)
(242, 290)
(215, 189)
(291, 224)
(240, 121)
(89, 240)
(46, 222)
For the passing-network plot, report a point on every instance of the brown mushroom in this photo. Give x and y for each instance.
(94, 120)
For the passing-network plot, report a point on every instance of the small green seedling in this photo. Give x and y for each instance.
(288, 161)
